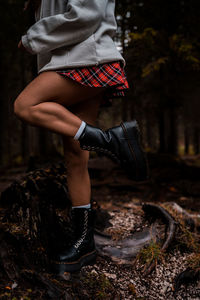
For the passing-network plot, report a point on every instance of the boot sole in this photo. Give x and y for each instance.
(61, 267)
(132, 134)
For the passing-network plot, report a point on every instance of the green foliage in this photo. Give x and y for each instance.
(186, 50)
(154, 66)
(155, 49)
(148, 33)
(186, 238)
(152, 252)
(99, 285)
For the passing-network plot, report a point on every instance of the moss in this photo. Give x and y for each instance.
(99, 285)
(186, 238)
(152, 252)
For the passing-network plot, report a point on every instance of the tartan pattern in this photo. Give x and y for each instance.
(109, 75)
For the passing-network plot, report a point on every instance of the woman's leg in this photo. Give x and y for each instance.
(78, 180)
(44, 102)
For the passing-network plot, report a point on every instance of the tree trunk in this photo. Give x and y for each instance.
(173, 133)
(150, 134)
(1, 117)
(186, 138)
(162, 130)
(196, 140)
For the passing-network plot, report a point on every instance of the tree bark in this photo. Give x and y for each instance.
(173, 133)
(196, 140)
(162, 130)
(186, 138)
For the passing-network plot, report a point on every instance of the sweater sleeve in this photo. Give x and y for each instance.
(81, 19)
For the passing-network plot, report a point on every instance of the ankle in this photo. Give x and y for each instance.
(82, 206)
(80, 130)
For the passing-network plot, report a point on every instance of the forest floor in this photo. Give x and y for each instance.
(119, 195)
(171, 180)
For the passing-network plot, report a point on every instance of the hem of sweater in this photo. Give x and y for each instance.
(80, 64)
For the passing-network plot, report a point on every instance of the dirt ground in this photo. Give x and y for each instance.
(171, 179)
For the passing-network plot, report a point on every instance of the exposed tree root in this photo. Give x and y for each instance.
(190, 220)
(186, 277)
(35, 222)
(159, 212)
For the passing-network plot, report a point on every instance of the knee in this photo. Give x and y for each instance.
(24, 111)
(20, 109)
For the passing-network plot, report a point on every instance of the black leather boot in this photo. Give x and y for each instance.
(82, 250)
(121, 144)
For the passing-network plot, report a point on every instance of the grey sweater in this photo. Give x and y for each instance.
(73, 33)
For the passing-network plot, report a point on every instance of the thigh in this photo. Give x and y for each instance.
(50, 86)
(87, 110)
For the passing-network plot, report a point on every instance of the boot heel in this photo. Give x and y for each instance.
(89, 260)
(132, 133)
(132, 130)
(59, 268)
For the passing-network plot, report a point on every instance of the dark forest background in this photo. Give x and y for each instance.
(160, 41)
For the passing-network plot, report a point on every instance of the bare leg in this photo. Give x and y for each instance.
(78, 180)
(43, 102)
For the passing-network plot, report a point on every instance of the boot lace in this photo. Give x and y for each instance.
(79, 241)
(103, 150)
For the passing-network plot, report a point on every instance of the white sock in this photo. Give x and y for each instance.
(84, 206)
(80, 130)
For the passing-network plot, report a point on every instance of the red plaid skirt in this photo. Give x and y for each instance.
(111, 75)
